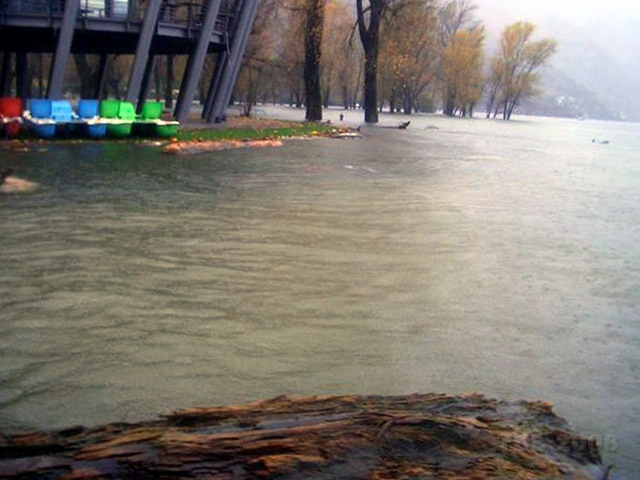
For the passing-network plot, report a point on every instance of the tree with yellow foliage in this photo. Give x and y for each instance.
(461, 70)
(409, 53)
(513, 74)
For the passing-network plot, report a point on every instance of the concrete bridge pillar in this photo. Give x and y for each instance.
(224, 88)
(63, 49)
(141, 59)
(196, 62)
(146, 82)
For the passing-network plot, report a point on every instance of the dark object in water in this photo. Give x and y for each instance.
(4, 174)
(404, 125)
(325, 438)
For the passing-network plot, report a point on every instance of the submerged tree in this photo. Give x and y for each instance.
(312, 56)
(369, 20)
(461, 70)
(409, 53)
(513, 76)
(461, 39)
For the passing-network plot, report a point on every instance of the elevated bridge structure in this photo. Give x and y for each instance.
(142, 28)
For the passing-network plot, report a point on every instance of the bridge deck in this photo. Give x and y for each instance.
(144, 28)
(110, 26)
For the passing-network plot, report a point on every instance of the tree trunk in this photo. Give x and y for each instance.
(370, 39)
(88, 75)
(449, 106)
(407, 102)
(312, 55)
(371, 86)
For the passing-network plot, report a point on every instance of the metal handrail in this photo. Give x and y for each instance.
(184, 13)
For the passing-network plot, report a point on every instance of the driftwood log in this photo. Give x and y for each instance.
(356, 437)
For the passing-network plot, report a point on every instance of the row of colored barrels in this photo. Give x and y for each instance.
(92, 118)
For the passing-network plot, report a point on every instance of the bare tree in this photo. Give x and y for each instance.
(455, 15)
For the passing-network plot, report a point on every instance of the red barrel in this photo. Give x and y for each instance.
(10, 107)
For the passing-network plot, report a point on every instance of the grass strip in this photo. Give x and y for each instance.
(297, 130)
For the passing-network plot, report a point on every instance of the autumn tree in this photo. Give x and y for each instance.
(514, 76)
(409, 53)
(341, 57)
(455, 16)
(461, 70)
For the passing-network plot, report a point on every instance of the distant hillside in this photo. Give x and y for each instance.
(596, 72)
(565, 96)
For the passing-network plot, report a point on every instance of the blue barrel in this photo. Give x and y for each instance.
(40, 108)
(88, 108)
(61, 111)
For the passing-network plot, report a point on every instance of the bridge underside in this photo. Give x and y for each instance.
(43, 40)
(158, 27)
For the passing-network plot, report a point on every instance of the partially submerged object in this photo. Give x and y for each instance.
(11, 184)
(196, 146)
(334, 437)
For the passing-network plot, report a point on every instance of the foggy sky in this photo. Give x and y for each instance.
(597, 41)
(612, 26)
(577, 11)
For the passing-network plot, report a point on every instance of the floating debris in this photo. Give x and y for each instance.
(202, 146)
(331, 437)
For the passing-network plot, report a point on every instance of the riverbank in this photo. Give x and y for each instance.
(246, 132)
(235, 129)
(331, 437)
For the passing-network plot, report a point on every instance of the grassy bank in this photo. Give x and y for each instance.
(240, 128)
(236, 128)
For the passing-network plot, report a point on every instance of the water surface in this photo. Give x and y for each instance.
(457, 255)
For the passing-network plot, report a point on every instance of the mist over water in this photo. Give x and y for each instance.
(457, 255)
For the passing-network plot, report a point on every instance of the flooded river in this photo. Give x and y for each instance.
(457, 255)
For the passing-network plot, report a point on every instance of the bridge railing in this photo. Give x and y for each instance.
(36, 8)
(185, 13)
(190, 13)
